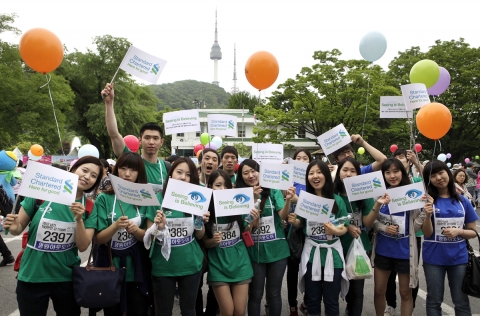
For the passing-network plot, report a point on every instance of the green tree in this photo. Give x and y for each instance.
(244, 99)
(5, 23)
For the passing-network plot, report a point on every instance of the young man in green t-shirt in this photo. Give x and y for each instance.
(229, 160)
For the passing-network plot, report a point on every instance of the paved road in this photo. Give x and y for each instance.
(8, 306)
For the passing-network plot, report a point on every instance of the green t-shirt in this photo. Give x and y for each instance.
(229, 264)
(337, 260)
(104, 208)
(40, 266)
(357, 219)
(233, 179)
(186, 257)
(274, 246)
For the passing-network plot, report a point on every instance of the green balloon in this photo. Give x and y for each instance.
(425, 71)
(205, 138)
(476, 157)
(361, 150)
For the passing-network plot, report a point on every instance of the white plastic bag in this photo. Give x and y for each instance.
(358, 264)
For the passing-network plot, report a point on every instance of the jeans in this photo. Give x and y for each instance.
(273, 273)
(164, 291)
(293, 266)
(435, 277)
(316, 290)
(476, 196)
(32, 298)
(354, 298)
(137, 303)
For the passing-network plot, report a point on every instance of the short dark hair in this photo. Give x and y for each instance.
(399, 151)
(151, 126)
(192, 168)
(337, 152)
(309, 155)
(207, 150)
(455, 174)
(229, 150)
(434, 167)
(92, 160)
(172, 158)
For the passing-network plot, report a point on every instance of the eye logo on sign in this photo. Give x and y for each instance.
(413, 194)
(342, 133)
(197, 197)
(325, 209)
(285, 175)
(68, 186)
(241, 198)
(231, 125)
(155, 69)
(145, 194)
(376, 183)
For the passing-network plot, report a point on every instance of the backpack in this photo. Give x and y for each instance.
(168, 165)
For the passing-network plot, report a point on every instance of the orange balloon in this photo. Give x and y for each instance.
(36, 150)
(41, 50)
(261, 70)
(434, 120)
(198, 153)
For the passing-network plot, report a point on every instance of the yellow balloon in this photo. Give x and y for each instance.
(361, 150)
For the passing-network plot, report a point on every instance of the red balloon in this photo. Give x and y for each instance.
(197, 148)
(132, 142)
(418, 148)
(393, 148)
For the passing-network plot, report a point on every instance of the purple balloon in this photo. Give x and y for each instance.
(449, 155)
(442, 83)
(211, 145)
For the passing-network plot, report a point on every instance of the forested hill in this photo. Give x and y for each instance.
(182, 94)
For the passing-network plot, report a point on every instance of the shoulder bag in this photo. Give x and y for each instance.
(471, 280)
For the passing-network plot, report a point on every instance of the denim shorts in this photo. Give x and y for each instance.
(218, 283)
(401, 266)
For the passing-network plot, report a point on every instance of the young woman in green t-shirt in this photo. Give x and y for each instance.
(125, 234)
(230, 270)
(46, 268)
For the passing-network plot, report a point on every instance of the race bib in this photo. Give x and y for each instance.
(398, 221)
(181, 230)
(442, 223)
(316, 231)
(357, 220)
(230, 237)
(266, 230)
(55, 236)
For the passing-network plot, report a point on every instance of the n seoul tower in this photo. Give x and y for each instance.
(215, 54)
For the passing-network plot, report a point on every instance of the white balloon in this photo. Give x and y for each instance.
(88, 150)
(442, 157)
(217, 140)
(33, 157)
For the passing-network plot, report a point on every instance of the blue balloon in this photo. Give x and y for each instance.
(442, 157)
(372, 46)
(449, 165)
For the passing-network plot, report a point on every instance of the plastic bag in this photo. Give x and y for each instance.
(358, 263)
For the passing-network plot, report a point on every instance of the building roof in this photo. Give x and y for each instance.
(233, 112)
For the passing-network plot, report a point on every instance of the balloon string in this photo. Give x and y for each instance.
(431, 166)
(366, 106)
(49, 77)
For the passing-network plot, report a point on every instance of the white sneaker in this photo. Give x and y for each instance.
(389, 311)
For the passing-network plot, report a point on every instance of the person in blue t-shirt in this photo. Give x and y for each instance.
(450, 221)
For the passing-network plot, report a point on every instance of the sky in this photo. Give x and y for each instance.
(182, 31)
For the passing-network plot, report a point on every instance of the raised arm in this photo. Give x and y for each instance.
(111, 121)
(375, 153)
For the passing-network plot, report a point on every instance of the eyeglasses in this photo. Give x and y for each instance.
(347, 152)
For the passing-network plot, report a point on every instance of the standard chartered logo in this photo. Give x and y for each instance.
(67, 187)
(145, 194)
(155, 68)
(231, 125)
(325, 209)
(285, 175)
(376, 183)
(342, 133)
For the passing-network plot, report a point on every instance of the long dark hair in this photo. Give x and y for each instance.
(399, 165)
(231, 219)
(300, 150)
(191, 167)
(327, 190)
(339, 187)
(92, 160)
(133, 161)
(240, 183)
(434, 167)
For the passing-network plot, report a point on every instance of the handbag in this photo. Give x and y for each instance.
(471, 280)
(96, 287)
(295, 240)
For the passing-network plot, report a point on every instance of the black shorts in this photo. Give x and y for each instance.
(401, 266)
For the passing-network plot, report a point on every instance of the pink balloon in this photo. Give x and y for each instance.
(132, 142)
(418, 148)
(442, 83)
(197, 148)
(467, 160)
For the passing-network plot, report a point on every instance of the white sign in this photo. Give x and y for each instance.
(267, 152)
(406, 198)
(276, 176)
(394, 107)
(222, 125)
(142, 65)
(299, 170)
(233, 202)
(334, 139)
(314, 208)
(186, 197)
(415, 95)
(370, 185)
(181, 122)
(48, 183)
(140, 194)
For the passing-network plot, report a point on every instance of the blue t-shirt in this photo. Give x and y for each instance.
(439, 250)
(394, 246)
(366, 169)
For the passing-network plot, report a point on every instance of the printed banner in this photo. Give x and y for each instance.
(370, 185)
(141, 194)
(314, 208)
(181, 122)
(47, 160)
(276, 176)
(334, 139)
(267, 153)
(406, 198)
(299, 170)
(65, 160)
(394, 107)
(233, 202)
(415, 95)
(142, 65)
(195, 202)
(222, 125)
(48, 183)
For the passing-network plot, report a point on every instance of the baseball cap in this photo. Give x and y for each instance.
(111, 162)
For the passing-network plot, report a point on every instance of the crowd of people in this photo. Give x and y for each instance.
(166, 254)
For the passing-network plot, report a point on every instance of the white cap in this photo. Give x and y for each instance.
(111, 162)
